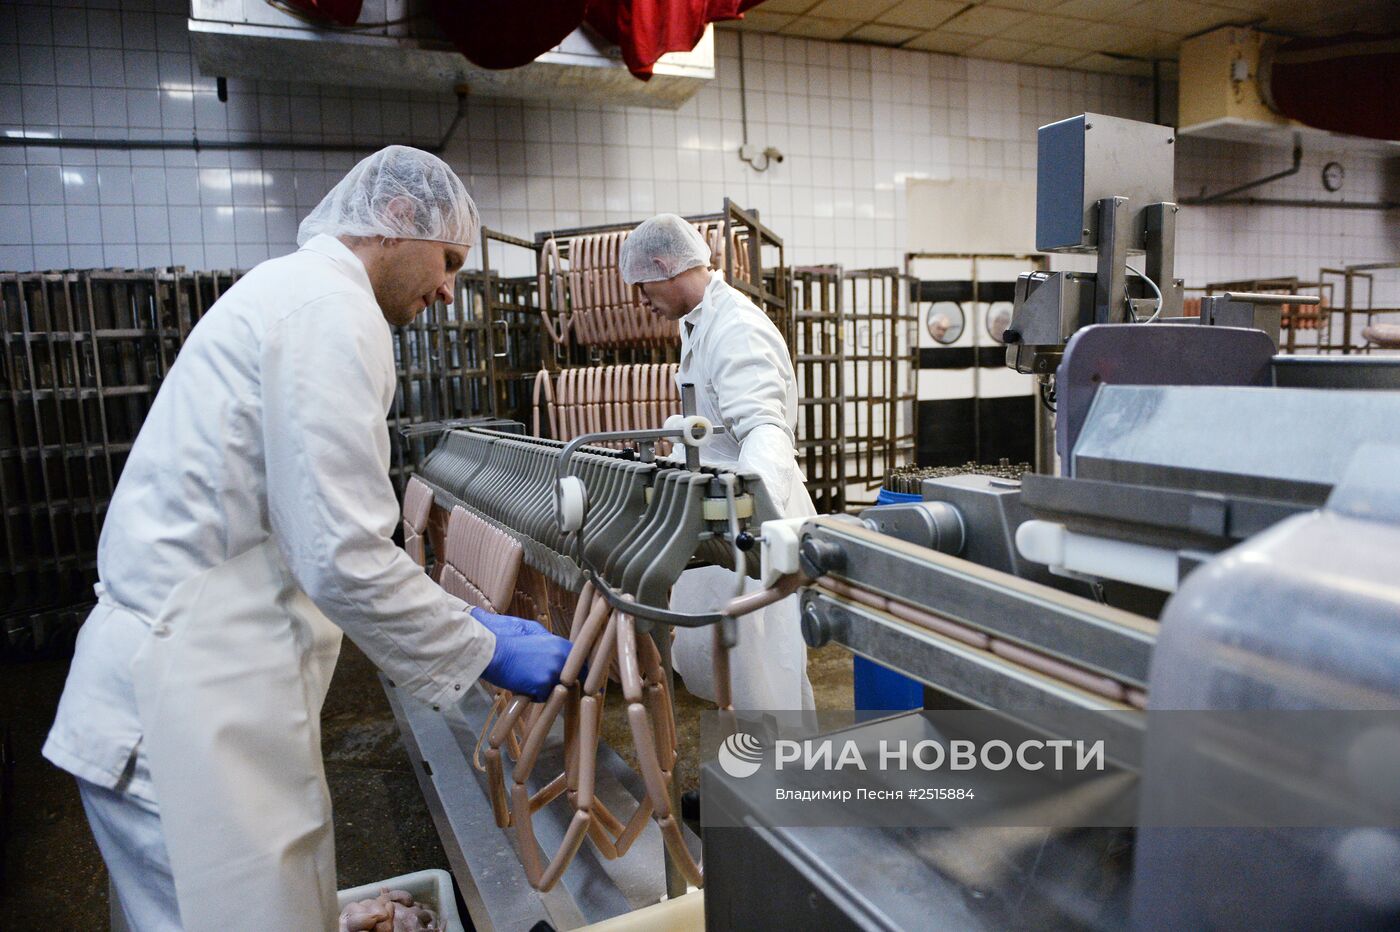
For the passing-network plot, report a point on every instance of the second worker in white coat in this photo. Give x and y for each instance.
(742, 372)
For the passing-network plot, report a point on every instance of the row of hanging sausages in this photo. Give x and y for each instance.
(607, 642)
(604, 398)
(479, 563)
(582, 291)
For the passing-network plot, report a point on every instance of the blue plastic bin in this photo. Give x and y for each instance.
(878, 688)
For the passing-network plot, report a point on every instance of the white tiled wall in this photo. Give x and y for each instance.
(852, 121)
(1221, 243)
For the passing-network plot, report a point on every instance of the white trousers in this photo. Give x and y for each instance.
(129, 835)
(768, 669)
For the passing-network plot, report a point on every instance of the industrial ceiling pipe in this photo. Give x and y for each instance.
(1276, 176)
(196, 145)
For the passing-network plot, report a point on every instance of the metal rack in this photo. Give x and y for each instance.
(83, 355)
(1332, 321)
(818, 350)
(881, 375)
(1355, 279)
(442, 362)
(763, 274)
(510, 307)
(750, 256)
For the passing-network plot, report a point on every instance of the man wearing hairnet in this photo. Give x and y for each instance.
(251, 527)
(743, 377)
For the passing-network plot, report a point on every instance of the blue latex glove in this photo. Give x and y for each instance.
(508, 624)
(528, 663)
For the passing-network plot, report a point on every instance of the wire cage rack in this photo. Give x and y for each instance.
(818, 345)
(880, 321)
(1370, 297)
(82, 355)
(590, 319)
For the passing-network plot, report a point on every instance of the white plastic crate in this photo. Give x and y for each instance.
(430, 888)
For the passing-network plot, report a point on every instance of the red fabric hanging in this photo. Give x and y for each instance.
(507, 33)
(1349, 84)
(647, 29)
(343, 12)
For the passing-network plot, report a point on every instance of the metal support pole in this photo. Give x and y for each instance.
(1044, 431)
(1348, 296)
(675, 880)
(692, 454)
(1161, 255)
(1115, 238)
(973, 320)
(661, 633)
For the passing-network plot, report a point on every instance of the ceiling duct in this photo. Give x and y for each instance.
(1323, 91)
(405, 50)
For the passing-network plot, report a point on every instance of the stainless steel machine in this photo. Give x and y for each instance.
(1216, 528)
(541, 819)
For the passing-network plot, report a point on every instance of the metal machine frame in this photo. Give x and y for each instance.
(1206, 543)
(467, 472)
(1295, 318)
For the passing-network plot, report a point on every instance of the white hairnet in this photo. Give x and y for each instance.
(398, 192)
(661, 248)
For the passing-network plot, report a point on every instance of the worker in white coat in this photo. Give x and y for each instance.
(740, 367)
(251, 527)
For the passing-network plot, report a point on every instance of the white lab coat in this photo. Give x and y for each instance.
(739, 364)
(268, 434)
